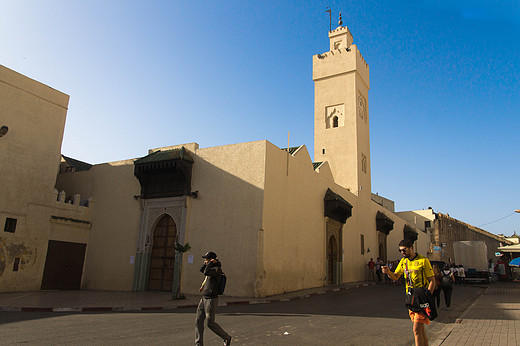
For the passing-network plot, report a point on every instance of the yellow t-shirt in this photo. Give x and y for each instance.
(419, 270)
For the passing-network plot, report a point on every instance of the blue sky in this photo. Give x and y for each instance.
(444, 100)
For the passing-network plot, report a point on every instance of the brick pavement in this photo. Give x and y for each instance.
(493, 319)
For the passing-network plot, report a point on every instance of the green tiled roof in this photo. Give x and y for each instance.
(76, 164)
(292, 150)
(315, 165)
(166, 155)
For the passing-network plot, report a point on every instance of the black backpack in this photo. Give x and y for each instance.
(222, 280)
(446, 280)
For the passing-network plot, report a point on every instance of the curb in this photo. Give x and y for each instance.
(190, 306)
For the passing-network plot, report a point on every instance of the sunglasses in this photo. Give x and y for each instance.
(403, 250)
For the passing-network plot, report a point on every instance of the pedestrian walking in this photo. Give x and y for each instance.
(378, 269)
(448, 279)
(462, 274)
(212, 270)
(371, 267)
(438, 282)
(418, 273)
(455, 272)
(382, 276)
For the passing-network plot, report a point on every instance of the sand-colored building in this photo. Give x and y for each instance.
(278, 220)
(40, 227)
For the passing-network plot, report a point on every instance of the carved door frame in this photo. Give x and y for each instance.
(152, 210)
(334, 265)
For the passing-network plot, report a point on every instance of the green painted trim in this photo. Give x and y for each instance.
(141, 271)
(337, 267)
(137, 265)
(177, 275)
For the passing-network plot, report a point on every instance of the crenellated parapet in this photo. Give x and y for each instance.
(72, 210)
(61, 197)
(340, 61)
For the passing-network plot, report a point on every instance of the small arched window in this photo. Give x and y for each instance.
(335, 121)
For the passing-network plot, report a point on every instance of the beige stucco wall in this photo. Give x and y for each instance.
(29, 242)
(226, 218)
(30, 151)
(30, 155)
(293, 238)
(115, 215)
(384, 202)
(264, 219)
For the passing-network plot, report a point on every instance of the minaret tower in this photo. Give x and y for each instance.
(341, 131)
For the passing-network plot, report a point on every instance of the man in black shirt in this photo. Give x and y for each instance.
(212, 270)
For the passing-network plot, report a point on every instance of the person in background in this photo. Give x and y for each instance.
(438, 282)
(462, 274)
(448, 279)
(383, 276)
(378, 269)
(371, 267)
(455, 272)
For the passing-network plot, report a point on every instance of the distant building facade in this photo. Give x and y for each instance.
(444, 230)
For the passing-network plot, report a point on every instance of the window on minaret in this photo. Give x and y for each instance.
(363, 163)
(362, 108)
(335, 116)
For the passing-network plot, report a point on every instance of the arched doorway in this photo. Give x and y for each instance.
(382, 252)
(162, 262)
(332, 259)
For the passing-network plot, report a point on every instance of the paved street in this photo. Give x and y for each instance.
(373, 315)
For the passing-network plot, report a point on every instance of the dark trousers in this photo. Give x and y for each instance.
(447, 294)
(206, 312)
(437, 296)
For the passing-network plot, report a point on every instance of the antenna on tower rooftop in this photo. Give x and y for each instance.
(330, 18)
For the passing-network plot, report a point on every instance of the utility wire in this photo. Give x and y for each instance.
(489, 223)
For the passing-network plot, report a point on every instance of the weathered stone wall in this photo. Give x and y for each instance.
(446, 230)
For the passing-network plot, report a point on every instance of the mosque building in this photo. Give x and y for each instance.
(278, 220)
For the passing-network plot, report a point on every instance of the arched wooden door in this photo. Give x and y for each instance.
(162, 262)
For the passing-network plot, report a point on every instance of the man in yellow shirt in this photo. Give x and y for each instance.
(418, 272)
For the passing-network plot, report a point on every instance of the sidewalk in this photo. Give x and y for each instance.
(492, 319)
(85, 300)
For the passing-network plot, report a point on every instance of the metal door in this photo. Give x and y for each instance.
(63, 266)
